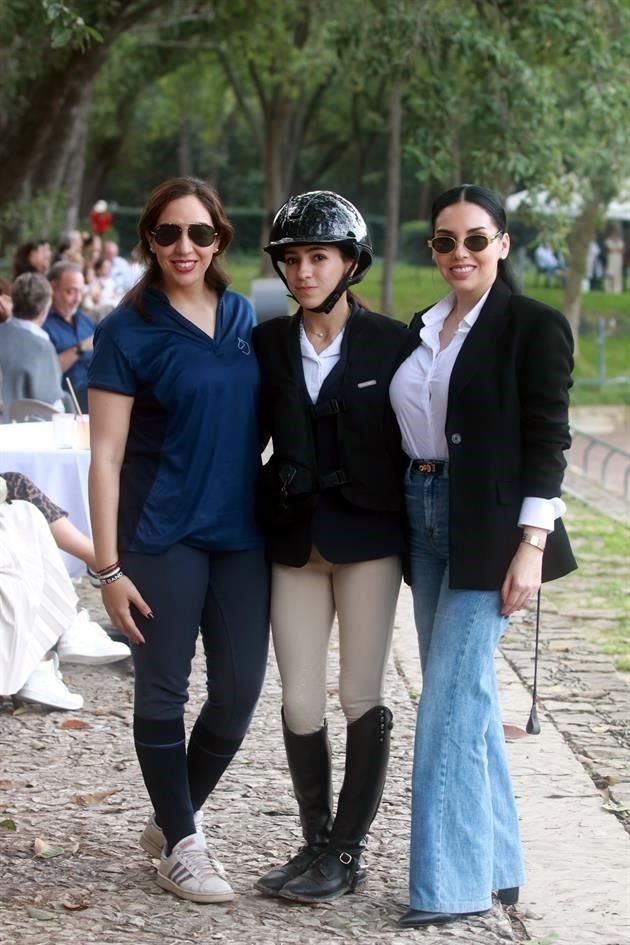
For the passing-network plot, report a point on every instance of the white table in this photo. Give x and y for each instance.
(29, 448)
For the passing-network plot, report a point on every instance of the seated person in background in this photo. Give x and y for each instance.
(39, 622)
(70, 248)
(91, 292)
(33, 256)
(92, 249)
(6, 305)
(67, 536)
(547, 263)
(121, 271)
(594, 266)
(28, 362)
(70, 330)
(109, 294)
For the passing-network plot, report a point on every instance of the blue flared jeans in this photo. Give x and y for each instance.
(464, 828)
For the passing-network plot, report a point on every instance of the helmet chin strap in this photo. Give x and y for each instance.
(280, 274)
(331, 300)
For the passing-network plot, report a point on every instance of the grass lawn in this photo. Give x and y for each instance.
(602, 581)
(416, 287)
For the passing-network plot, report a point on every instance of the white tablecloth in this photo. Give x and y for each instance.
(62, 474)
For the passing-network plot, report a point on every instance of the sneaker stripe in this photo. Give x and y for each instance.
(180, 873)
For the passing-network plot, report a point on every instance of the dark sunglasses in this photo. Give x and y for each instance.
(475, 243)
(202, 234)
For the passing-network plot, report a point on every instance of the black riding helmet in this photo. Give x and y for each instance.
(321, 216)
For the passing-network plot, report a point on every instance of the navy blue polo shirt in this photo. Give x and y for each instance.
(193, 451)
(66, 335)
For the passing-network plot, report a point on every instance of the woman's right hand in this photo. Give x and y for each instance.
(117, 598)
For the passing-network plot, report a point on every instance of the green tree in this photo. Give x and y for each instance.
(280, 60)
(51, 54)
(529, 95)
(401, 26)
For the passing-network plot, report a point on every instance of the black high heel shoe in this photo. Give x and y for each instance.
(508, 896)
(416, 918)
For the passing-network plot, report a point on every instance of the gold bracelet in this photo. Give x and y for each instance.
(534, 540)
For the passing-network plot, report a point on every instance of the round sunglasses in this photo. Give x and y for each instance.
(202, 234)
(475, 243)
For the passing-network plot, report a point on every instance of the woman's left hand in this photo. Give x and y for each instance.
(522, 579)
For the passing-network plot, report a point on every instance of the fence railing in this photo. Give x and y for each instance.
(605, 327)
(603, 461)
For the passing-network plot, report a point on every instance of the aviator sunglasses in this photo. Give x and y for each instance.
(202, 234)
(475, 243)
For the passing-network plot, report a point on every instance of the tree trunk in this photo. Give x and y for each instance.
(75, 169)
(103, 155)
(392, 210)
(34, 151)
(184, 148)
(580, 235)
(425, 199)
(36, 131)
(276, 185)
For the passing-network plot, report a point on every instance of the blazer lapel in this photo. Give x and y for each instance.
(294, 354)
(482, 337)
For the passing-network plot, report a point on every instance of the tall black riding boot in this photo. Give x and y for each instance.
(310, 766)
(341, 867)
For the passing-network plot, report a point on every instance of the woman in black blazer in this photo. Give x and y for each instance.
(332, 504)
(482, 405)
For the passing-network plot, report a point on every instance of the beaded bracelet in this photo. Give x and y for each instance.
(110, 567)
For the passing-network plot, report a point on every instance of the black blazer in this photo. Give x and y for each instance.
(368, 439)
(507, 429)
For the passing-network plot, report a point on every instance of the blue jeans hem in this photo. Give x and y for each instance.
(461, 907)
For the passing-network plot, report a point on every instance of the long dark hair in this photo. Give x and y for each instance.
(21, 262)
(472, 193)
(160, 197)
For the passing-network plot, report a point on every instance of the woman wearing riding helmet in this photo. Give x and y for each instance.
(331, 502)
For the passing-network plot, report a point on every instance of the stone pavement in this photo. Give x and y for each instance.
(577, 852)
(73, 873)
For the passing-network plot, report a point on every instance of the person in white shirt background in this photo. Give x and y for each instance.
(41, 622)
(615, 247)
(547, 263)
(482, 405)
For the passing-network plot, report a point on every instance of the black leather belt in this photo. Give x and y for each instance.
(427, 467)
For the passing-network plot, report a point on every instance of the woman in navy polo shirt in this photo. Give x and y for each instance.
(175, 455)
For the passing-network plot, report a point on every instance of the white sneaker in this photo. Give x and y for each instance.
(45, 686)
(191, 872)
(152, 840)
(86, 642)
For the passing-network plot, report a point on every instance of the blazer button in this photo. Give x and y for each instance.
(456, 439)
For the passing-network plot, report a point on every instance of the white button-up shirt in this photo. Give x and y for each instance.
(316, 366)
(419, 396)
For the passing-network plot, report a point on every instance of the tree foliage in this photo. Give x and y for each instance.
(268, 96)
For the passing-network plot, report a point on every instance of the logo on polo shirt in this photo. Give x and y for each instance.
(243, 345)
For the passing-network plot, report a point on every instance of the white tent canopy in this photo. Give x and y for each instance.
(618, 209)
